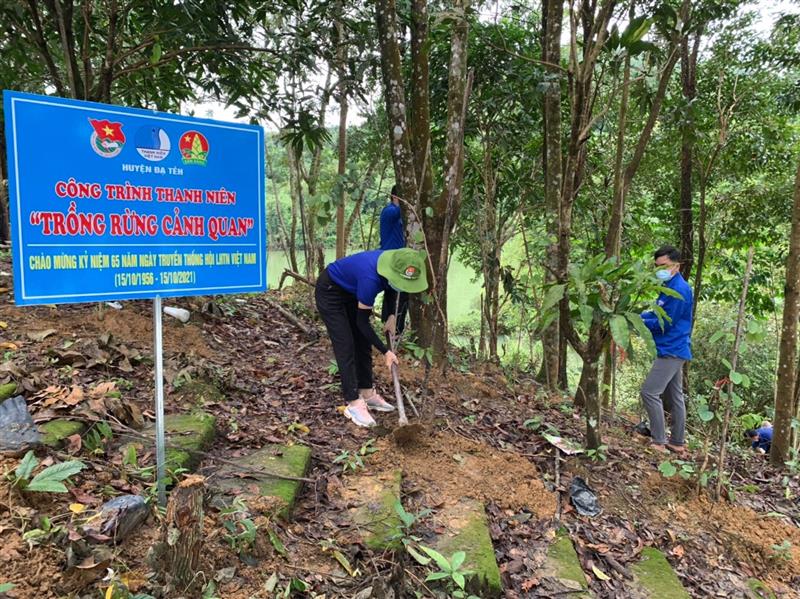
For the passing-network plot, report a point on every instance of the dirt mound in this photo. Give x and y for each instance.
(448, 467)
(752, 537)
(133, 324)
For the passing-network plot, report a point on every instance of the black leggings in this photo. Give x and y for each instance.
(353, 351)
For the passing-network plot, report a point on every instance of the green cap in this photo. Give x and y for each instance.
(404, 269)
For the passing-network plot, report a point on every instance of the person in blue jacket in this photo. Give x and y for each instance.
(760, 438)
(673, 349)
(393, 237)
(345, 293)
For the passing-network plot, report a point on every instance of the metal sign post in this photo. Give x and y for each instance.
(158, 356)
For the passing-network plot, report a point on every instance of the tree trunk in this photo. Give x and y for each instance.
(588, 390)
(614, 234)
(608, 370)
(737, 340)
(689, 88)
(432, 328)
(341, 60)
(784, 397)
(298, 207)
(701, 251)
(553, 15)
(5, 214)
(182, 536)
(392, 71)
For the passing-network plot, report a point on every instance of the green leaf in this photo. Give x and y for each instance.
(745, 381)
(727, 364)
(671, 292)
(667, 469)
(635, 30)
(437, 576)
(408, 519)
(429, 212)
(6, 586)
(735, 377)
(458, 577)
(440, 560)
(619, 330)
(344, 562)
(553, 296)
(276, 542)
(417, 556)
(49, 479)
(642, 330)
(717, 336)
(457, 559)
(587, 314)
(705, 414)
(156, 54)
(26, 466)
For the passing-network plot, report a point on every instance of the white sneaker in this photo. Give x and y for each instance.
(377, 403)
(358, 412)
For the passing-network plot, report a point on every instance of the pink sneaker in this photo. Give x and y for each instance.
(358, 412)
(377, 403)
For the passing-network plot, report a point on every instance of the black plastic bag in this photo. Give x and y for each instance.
(643, 429)
(583, 498)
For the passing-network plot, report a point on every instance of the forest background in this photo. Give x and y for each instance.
(543, 151)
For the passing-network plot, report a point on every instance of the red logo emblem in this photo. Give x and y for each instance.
(107, 138)
(410, 273)
(194, 148)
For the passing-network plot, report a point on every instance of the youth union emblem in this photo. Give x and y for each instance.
(107, 138)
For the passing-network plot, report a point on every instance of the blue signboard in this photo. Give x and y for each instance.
(121, 203)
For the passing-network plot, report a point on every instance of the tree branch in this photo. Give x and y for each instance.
(169, 56)
(41, 44)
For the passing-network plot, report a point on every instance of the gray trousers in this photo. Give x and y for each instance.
(665, 378)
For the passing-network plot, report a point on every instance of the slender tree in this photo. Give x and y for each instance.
(787, 362)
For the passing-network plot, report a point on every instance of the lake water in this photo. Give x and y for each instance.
(464, 291)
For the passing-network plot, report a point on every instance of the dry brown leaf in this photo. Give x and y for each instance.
(75, 396)
(101, 389)
(9, 345)
(74, 444)
(41, 335)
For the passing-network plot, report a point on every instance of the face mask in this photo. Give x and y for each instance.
(663, 274)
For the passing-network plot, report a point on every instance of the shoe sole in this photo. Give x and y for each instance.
(387, 408)
(357, 422)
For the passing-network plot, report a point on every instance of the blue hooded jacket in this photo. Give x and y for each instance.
(673, 341)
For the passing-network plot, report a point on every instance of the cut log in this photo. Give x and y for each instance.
(182, 536)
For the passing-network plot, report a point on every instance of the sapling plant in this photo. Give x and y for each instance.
(240, 529)
(49, 480)
(450, 571)
(353, 460)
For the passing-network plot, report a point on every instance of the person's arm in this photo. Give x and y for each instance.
(672, 306)
(365, 327)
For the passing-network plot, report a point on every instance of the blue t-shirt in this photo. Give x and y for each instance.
(764, 438)
(392, 237)
(673, 341)
(358, 274)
